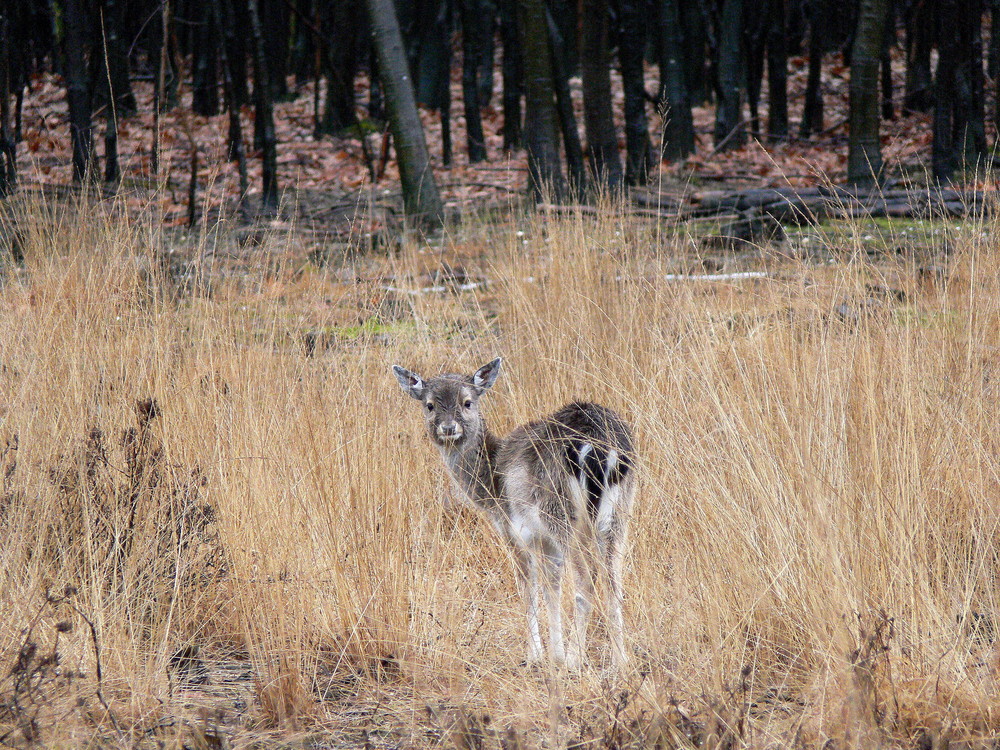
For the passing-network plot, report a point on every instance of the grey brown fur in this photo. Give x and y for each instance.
(561, 487)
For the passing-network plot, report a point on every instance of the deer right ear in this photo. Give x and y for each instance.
(410, 382)
(486, 375)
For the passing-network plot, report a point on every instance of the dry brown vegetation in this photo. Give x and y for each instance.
(223, 527)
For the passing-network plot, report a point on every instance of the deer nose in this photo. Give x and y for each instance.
(449, 430)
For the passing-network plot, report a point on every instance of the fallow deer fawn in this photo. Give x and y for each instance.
(559, 487)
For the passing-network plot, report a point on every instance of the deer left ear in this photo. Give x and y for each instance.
(410, 382)
(486, 376)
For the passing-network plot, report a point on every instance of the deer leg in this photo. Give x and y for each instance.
(552, 561)
(613, 553)
(528, 583)
(583, 603)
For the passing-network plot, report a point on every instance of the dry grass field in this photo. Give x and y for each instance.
(223, 524)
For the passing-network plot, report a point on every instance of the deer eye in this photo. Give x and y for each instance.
(468, 403)
(430, 406)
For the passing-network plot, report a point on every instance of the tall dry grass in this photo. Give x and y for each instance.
(814, 548)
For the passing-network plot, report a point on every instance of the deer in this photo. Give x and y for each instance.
(556, 489)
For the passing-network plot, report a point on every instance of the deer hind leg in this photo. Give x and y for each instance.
(551, 556)
(583, 604)
(528, 583)
(611, 554)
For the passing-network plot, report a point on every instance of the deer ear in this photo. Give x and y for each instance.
(410, 382)
(486, 375)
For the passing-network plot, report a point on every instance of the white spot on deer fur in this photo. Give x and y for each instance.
(608, 508)
(582, 457)
(612, 463)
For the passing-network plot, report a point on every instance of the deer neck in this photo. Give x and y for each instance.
(474, 469)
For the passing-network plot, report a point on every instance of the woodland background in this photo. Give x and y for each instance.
(225, 99)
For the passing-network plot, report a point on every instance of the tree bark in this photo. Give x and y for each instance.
(78, 89)
(632, 37)
(729, 129)
(777, 71)
(919, 42)
(864, 156)
(205, 73)
(420, 195)
(116, 59)
(564, 107)
(264, 113)
(8, 146)
(959, 117)
(473, 48)
(540, 119)
(678, 126)
(598, 119)
(513, 75)
(812, 115)
(236, 151)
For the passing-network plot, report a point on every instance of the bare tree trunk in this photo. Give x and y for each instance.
(8, 146)
(777, 71)
(729, 128)
(812, 115)
(540, 119)
(513, 75)
(959, 115)
(598, 119)
(78, 89)
(561, 59)
(236, 150)
(632, 36)
(264, 113)
(864, 156)
(678, 127)
(420, 194)
(473, 49)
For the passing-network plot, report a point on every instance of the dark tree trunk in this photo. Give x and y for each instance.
(341, 25)
(729, 128)
(564, 107)
(694, 37)
(488, 53)
(432, 53)
(116, 59)
(540, 117)
(8, 146)
(474, 20)
(631, 44)
(994, 60)
(236, 151)
(755, 25)
(264, 113)
(885, 64)
(420, 195)
(78, 88)
(598, 119)
(812, 114)
(205, 73)
(513, 75)
(959, 118)
(864, 156)
(678, 127)
(777, 71)
(919, 41)
(236, 50)
(275, 16)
